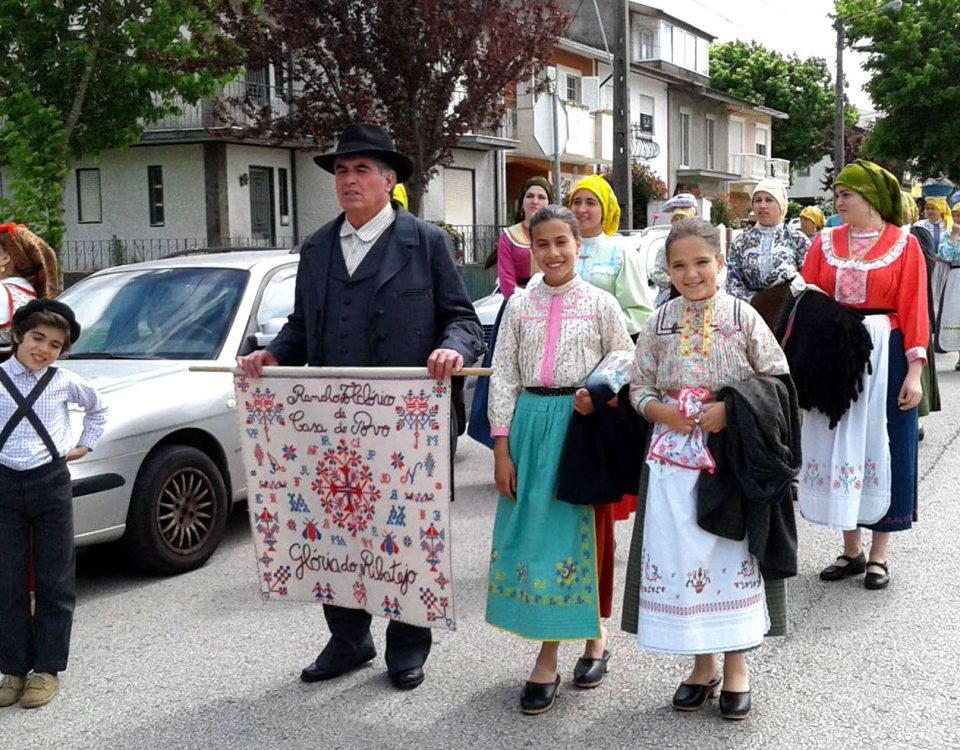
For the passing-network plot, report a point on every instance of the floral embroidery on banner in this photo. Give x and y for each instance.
(849, 477)
(522, 573)
(698, 579)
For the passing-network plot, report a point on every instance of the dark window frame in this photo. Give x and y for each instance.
(80, 219)
(283, 196)
(155, 202)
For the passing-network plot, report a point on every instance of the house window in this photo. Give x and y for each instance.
(284, 197)
(645, 114)
(572, 89)
(89, 209)
(643, 43)
(761, 141)
(711, 142)
(805, 172)
(684, 139)
(155, 194)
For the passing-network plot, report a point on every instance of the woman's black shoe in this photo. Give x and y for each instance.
(588, 673)
(734, 706)
(692, 697)
(877, 580)
(539, 697)
(854, 567)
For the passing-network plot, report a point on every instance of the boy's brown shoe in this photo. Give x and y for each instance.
(39, 691)
(10, 689)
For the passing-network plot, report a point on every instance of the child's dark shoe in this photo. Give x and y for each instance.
(40, 690)
(10, 689)
(589, 673)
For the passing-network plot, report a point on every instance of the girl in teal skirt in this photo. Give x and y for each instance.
(543, 563)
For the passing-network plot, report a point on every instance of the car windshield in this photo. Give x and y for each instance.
(169, 313)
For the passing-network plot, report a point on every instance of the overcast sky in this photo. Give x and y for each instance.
(787, 26)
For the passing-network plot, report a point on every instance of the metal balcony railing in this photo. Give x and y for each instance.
(204, 114)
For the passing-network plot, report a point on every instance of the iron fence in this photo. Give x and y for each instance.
(87, 256)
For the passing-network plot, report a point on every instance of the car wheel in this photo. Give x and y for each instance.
(178, 511)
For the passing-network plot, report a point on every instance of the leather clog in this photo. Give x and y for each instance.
(734, 706)
(691, 697)
(407, 679)
(854, 567)
(589, 673)
(539, 697)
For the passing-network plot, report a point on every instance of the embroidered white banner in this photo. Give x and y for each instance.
(349, 481)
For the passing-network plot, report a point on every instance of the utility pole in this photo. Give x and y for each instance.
(555, 108)
(622, 134)
(838, 123)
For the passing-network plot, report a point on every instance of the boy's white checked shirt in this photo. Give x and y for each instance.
(24, 448)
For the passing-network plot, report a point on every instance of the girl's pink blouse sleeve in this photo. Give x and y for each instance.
(506, 266)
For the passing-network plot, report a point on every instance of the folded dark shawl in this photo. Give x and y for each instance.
(828, 349)
(758, 455)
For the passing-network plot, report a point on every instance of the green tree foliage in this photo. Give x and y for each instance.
(79, 77)
(803, 89)
(429, 71)
(915, 65)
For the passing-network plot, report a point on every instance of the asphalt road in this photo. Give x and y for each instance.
(198, 661)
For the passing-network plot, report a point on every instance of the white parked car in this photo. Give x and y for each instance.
(168, 467)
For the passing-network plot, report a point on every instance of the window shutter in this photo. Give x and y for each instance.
(590, 92)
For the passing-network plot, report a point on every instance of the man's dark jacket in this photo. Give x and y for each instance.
(420, 303)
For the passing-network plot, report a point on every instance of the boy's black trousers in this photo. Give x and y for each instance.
(37, 501)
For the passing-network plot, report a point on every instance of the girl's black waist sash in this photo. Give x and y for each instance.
(541, 391)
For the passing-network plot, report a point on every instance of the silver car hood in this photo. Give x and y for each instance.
(109, 375)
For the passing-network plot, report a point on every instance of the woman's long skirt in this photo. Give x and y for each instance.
(543, 564)
(699, 593)
(864, 472)
(948, 315)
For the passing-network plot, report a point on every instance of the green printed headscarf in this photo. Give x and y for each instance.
(877, 186)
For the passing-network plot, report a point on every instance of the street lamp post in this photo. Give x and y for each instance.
(838, 123)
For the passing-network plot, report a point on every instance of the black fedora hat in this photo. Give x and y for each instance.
(366, 139)
(45, 304)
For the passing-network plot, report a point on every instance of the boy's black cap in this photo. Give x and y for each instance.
(45, 304)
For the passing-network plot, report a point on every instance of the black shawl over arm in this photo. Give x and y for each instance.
(758, 455)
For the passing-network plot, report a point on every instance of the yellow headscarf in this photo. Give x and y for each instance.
(400, 195)
(815, 215)
(941, 205)
(608, 201)
(911, 212)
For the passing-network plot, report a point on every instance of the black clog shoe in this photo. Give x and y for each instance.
(734, 706)
(539, 697)
(589, 673)
(692, 697)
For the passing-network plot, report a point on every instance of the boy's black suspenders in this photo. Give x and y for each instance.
(25, 410)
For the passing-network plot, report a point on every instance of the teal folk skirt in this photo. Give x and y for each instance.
(543, 564)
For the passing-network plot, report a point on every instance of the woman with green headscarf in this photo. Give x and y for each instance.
(863, 471)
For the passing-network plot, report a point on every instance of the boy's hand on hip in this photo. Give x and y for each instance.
(78, 452)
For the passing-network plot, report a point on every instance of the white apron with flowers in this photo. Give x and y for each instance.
(845, 480)
(699, 593)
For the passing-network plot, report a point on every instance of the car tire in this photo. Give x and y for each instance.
(178, 511)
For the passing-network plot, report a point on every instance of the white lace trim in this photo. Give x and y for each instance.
(826, 244)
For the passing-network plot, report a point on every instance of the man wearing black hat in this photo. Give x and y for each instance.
(375, 287)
